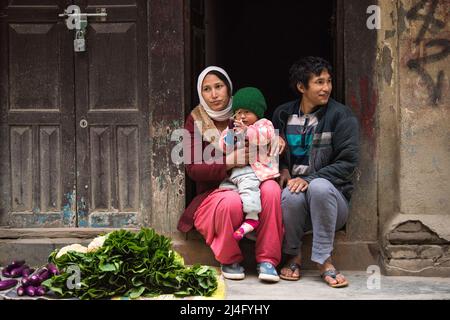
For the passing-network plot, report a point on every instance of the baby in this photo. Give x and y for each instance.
(249, 124)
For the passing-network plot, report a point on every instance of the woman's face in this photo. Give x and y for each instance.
(215, 92)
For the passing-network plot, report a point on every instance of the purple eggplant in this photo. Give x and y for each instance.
(17, 272)
(40, 271)
(15, 264)
(40, 291)
(6, 273)
(6, 284)
(25, 282)
(34, 280)
(30, 291)
(44, 275)
(27, 272)
(52, 269)
(20, 291)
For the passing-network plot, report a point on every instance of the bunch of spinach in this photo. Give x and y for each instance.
(130, 264)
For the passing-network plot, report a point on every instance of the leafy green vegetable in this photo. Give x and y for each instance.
(130, 264)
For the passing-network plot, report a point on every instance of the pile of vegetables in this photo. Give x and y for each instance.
(15, 269)
(123, 263)
(30, 284)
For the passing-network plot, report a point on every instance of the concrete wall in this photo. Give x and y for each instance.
(424, 101)
(413, 175)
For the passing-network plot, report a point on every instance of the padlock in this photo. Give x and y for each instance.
(79, 44)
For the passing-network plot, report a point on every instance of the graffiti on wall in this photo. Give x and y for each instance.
(432, 25)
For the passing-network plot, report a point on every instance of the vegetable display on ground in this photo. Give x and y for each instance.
(124, 263)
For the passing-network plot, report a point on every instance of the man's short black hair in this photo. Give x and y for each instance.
(303, 69)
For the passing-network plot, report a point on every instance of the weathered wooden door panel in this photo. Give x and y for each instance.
(111, 95)
(37, 122)
(55, 172)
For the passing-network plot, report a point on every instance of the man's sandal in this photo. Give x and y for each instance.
(293, 267)
(333, 273)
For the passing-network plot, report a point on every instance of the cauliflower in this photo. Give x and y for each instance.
(73, 247)
(96, 243)
(178, 258)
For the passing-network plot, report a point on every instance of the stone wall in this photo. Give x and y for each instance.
(414, 181)
(413, 248)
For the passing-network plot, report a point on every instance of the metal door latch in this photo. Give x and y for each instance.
(75, 20)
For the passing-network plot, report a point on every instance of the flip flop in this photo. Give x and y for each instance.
(333, 273)
(293, 266)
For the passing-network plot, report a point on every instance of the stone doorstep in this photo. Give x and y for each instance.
(34, 245)
(347, 255)
(35, 233)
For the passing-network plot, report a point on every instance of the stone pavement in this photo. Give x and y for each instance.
(311, 287)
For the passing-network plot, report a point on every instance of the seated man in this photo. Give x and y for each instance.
(317, 167)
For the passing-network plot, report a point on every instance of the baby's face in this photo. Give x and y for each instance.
(246, 116)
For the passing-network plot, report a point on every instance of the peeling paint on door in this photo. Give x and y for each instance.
(69, 217)
(82, 213)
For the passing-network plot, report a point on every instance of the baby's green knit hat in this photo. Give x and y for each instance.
(251, 99)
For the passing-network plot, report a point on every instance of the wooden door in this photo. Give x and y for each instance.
(37, 146)
(55, 172)
(113, 186)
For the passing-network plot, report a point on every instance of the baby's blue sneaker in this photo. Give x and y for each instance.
(232, 271)
(267, 272)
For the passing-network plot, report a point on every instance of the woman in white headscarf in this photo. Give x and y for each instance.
(215, 212)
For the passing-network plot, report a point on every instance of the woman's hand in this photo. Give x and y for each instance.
(277, 148)
(284, 177)
(297, 185)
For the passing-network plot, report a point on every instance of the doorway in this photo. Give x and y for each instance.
(256, 41)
